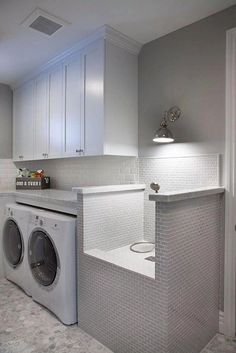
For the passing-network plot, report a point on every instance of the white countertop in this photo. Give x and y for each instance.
(58, 200)
(49, 194)
(185, 194)
(63, 201)
(108, 188)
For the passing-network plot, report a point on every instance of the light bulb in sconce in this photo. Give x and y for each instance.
(163, 134)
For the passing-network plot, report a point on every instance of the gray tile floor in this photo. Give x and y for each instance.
(220, 344)
(26, 327)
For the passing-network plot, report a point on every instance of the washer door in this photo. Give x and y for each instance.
(13, 245)
(42, 258)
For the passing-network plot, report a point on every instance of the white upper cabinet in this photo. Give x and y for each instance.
(73, 144)
(56, 114)
(84, 105)
(23, 122)
(41, 117)
(120, 101)
(93, 63)
(110, 100)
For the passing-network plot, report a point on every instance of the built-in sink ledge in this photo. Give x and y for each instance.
(185, 194)
(108, 188)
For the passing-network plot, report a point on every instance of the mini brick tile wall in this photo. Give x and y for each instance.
(190, 232)
(7, 174)
(122, 309)
(110, 221)
(175, 313)
(174, 174)
(85, 171)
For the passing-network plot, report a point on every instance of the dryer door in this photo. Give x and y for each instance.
(13, 245)
(42, 258)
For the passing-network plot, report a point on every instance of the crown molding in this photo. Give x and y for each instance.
(121, 40)
(105, 32)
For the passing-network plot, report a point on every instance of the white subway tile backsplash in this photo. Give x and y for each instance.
(7, 174)
(110, 221)
(174, 174)
(170, 173)
(86, 171)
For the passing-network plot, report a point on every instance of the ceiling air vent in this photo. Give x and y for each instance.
(44, 25)
(44, 22)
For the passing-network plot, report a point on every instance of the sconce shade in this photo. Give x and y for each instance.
(163, 135)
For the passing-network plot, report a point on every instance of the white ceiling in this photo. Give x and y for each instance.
(22, 50)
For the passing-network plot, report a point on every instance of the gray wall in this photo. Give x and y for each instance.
(186, 68)
(5, 121)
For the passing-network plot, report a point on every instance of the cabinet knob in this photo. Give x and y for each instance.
(79, 151)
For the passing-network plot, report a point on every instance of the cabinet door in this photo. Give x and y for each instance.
(23, 122)
(93, 63)
(41, 117)
(74, 120)
(56, 118)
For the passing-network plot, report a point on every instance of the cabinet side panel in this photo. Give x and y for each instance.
(16, 137)
(5, 121)
(23, 122)
(121, 102)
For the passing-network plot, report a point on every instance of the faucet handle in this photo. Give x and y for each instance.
(155, 187)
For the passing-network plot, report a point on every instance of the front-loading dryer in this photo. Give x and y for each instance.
(52, 261)
(14, 244)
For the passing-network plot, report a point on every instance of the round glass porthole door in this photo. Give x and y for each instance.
(12, 243)
(42, 258)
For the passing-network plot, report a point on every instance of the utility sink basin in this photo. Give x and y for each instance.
(142, 247)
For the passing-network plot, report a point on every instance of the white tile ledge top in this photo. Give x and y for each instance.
(108, 188)
(6, 193)
(185, 194)
(48, 194)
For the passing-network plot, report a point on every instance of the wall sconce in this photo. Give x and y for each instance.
(163, 134)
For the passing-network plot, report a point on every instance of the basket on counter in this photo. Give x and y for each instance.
(23, 183)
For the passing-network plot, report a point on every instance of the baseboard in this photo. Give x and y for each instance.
(208, 344)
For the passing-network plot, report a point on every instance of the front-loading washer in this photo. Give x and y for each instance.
(52, 261)
(14, 244)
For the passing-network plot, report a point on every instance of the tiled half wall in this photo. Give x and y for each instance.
(131, 313)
